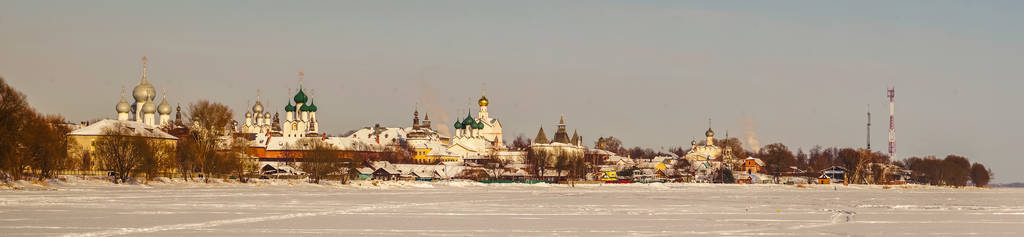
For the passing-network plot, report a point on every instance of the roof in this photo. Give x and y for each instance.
(756, 160)
(541, 137)
(140, 129)
(364, 170)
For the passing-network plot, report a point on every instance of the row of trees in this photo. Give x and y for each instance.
(570, 161)
(862, 165)
(36, 144)
(206, 150)
(30, 142)
(952, 170)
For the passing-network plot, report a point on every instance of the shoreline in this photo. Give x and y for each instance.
(72, 182)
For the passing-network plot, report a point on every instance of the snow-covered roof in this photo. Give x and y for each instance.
(364, 170)
(137, 128)
(300, 143)
(601, 152)
(756, 160)
(388, 136)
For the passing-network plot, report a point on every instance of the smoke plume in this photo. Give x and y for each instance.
(750, 133)
(429, 102)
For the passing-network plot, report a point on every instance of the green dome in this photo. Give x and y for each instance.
(469, 121)
(478, 125)
(458, 125)
(312, 107)
(301, 97)
(304, 108)
(289, 107)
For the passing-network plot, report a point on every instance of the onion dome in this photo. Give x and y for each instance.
(248, 114)
(266, 115)
(469, 121)
(483, 101)
(301, 98)
(149, 108)
(123, 106)
(312, 107)
(289, 107)
(304, 108)
(709, 133)
(478, 125)
(164, 108)
(144, 91)
(257, 108)
(458, 125)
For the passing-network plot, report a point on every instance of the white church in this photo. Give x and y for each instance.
(145, 109)
(477, 137)
(300, 118)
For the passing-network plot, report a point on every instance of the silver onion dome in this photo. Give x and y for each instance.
(144, 92)
(257, 108)
(149, 108)
(123, 106)
(164, 108)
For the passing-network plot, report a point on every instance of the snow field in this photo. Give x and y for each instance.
(92, 207)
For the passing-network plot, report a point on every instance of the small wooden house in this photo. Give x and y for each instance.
(753, 165)
(824, 179)
(386, 173)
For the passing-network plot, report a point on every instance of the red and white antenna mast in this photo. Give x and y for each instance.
(892, 123)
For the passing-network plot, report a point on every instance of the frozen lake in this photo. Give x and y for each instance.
(459, 209)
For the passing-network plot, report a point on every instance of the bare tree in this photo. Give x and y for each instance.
(496, 165)
(210, 122)
(956, 170)
(321, 160)
(778, 158)
(45, 145)
(121, 151)
(14, 111)
(185, 157)
(520, 143)
(538, 161)
(980, 175)
(245, 165)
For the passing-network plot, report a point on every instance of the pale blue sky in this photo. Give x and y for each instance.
(649, 72)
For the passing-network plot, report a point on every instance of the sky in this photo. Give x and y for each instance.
(651, 73)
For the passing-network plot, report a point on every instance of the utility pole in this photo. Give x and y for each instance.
(869, 127)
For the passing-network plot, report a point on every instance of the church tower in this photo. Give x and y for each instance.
(143, 93)
(123, 108)
(165, 110)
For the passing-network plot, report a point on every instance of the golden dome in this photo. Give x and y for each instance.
(482, 101)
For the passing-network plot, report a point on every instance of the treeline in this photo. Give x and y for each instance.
(862, 166)
(30, 142)
(206, 150)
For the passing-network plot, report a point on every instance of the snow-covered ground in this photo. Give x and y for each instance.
(287, 208)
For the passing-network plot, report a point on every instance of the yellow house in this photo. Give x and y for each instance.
(81, 141)
(660, 166)
(428, 154)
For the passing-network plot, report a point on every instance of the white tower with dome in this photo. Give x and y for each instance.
(144, 109)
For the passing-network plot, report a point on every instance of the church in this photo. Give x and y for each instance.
(477, 137)
(145, 109)
(300, 118)
(561, 146)
(711, 155)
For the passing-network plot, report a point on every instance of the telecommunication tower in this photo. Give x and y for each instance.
(892, 123)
